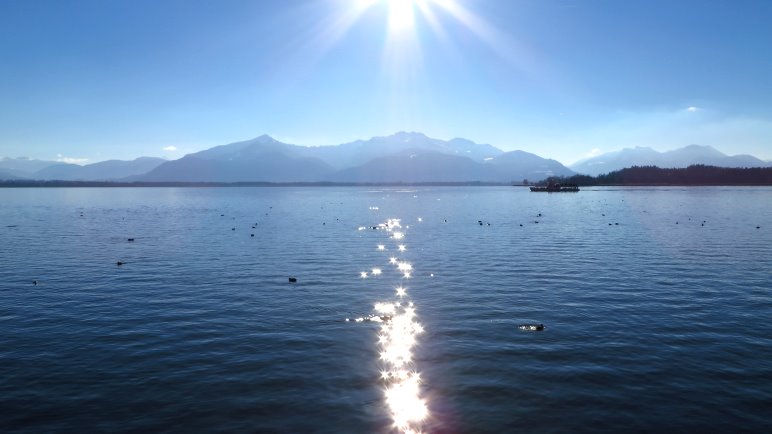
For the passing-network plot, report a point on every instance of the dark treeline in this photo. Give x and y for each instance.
(692, 175)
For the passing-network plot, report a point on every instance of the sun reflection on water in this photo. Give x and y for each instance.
(397, 338)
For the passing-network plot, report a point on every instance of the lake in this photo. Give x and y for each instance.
(656, 305)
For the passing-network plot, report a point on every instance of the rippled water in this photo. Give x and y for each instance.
(661, 322)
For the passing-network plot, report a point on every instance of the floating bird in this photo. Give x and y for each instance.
(131, 239)
(35, 282)
(119, 263)
(293, 279)
(252, 235)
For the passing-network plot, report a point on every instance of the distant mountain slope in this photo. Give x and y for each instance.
(8, 175)
(678, 158)
(259, 159)
(428, 166)
(102, 171)
(361, 151)
(421, 166)
(23, 167)
(520, 165)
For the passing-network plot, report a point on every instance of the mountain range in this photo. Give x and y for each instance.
(110, 170)
(678, 158)
(402, 157)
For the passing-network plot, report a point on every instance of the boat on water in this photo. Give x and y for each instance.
(554, 187)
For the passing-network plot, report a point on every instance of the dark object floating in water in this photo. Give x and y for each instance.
(252, 235)
(480, 222)
(521, 225)
(35, 282)
(222, 215)
(531, 327)
(758, 227)
(233, 229)
(119, 263)
(293, 279)
(554, 187)
(131, 239)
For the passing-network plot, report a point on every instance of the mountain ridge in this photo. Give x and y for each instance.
(676, 158)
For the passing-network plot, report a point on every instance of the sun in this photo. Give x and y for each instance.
(401, 14)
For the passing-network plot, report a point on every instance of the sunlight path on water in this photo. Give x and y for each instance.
(396, 340)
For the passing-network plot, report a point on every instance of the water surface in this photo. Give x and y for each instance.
(656, 303)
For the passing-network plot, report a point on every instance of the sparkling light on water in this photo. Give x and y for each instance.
(397, 339)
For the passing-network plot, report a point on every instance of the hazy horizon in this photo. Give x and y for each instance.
(169, 158)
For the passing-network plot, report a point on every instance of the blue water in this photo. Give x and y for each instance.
(662, 322)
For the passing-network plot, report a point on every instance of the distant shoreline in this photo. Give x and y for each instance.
(92, 184)
(636, 176)
(64, 184)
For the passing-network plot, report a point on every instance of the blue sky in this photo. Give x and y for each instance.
(88, 81)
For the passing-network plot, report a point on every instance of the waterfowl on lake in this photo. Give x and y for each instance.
(293, 279)
(119, 263)
(531, 327)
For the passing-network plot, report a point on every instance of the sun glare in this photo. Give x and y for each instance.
(401, 14)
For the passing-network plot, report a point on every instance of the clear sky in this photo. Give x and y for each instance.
(94, 80)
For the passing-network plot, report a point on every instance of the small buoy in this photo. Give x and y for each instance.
(119, 263)
(131, 239)
(293, 280)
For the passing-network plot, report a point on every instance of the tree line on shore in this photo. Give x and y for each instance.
(693, 175)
